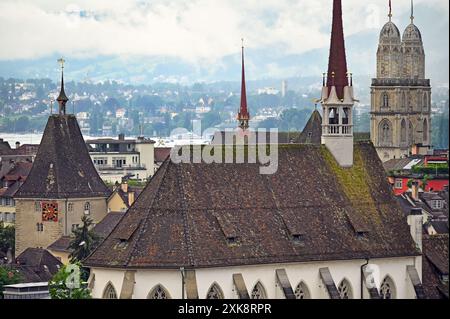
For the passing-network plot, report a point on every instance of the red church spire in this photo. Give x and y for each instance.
(243, 115)
(337, 65)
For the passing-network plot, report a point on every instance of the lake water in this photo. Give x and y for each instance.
(35, 138)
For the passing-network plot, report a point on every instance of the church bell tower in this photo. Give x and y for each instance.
(337, 96)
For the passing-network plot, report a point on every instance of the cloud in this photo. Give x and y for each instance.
(195, 31)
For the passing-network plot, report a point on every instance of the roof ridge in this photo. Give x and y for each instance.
(161, 170)
(187, 236)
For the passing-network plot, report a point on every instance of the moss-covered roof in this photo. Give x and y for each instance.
(309, 210)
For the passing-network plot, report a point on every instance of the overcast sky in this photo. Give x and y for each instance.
(190, 30)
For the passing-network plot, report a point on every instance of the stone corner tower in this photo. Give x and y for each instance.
(400, 94)
(337, 96)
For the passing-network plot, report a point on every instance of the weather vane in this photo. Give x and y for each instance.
(61, 61)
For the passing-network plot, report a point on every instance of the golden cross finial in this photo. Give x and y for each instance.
(61, 61)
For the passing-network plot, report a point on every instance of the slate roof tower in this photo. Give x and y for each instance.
(63, 184)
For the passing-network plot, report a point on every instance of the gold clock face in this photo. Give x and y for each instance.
(49, 212)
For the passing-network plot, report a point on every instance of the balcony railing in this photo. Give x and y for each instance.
(338, 129)
(120, 167)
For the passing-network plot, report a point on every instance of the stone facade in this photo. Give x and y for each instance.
(36, 233)
(400, 95)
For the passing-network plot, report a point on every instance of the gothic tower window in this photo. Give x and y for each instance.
(403, 134)
(425, 131)
(345, 290)
(387, 289)
(159, 292)
(411, 139)
(404, 100)
(425, 101)
(109, 292)
(385, 100)
(258, 292)
(346, 116)
(334, 116)
(302, 291)
(215, 292)
(385, 133)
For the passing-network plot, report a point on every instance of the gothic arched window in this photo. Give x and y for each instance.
(387, 289)
(385, 100)
(425, 101)
(158, 292)
(215, 292)
(345, 290)
(302, 291)
(385, 133)
(411, 139)
(109, 292)
(404, 100)
(334, 116)
(403, 134)
(258, 292)
(425, 131)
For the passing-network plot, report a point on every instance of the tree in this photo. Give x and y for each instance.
(8, 277)
(7, 238)
(68, 283)
(85, 241)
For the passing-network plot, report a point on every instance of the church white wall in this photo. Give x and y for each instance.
(146, 280)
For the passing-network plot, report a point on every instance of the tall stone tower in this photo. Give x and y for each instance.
(400, 94)
(337, 96)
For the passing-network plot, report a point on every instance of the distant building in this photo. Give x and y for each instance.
(10, 184)
(120, 158)
(120, 113)
(284, 88)
(401, 95)
(416, 168)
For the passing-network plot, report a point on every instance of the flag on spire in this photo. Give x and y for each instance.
(337, 65)
(243, 115)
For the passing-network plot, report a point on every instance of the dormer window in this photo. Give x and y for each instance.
(233, 241)
(361, 235)
(437, 204)
(298, 239)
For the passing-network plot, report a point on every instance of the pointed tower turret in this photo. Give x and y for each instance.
(62, 98)
(389, 54)
(413, 50)
(243, 116)
(337, 96)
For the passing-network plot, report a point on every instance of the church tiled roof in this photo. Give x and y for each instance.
(214, 215)
(435, 266)
(63, 167)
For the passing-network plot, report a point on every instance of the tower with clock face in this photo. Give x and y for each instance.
(62, 187)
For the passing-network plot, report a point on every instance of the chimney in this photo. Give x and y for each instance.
(124, 187)
(17, 145)
(415, 222)
(130, 198)
(415, 190)
(121, 137)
